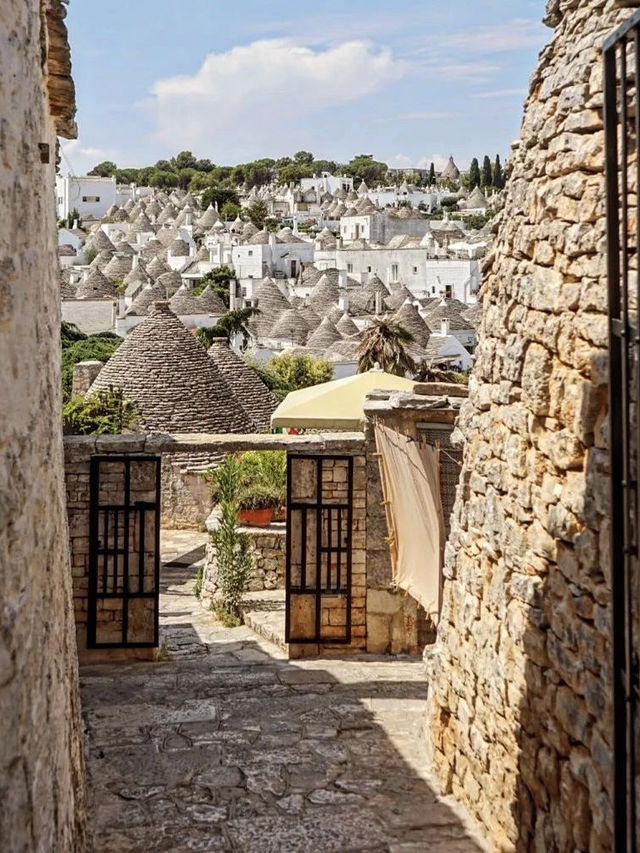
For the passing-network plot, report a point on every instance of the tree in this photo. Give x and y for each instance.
(104, 170)
(235, 323)
(299, 371)
(383, 343)
(365, 168)
(219, 196)
(76, 346)
(184, 160)
(218, 279)
(486, 177)
(293, 173)
(498, 175)
(257, 213)
(204, 165)
(474, 174)
(303, 158)
(230, 210)
(163, 180)
(432, 175)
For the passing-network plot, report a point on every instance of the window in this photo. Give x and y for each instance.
(448, 291)
(250, 253)
(394, 272)
(415, 270)
(91, 199)
(349, 267)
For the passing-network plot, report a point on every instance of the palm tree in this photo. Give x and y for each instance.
(383, 343)
(235, 323)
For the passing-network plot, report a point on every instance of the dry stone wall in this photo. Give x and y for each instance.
(269, 549)
(520, 717)
(41, 769)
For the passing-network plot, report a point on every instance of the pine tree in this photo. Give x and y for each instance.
(498, 175)
(432, 175)
(487, 177)
(474, 174)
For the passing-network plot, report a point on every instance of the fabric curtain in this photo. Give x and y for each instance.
(411, 485)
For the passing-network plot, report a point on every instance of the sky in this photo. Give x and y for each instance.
(410, 81)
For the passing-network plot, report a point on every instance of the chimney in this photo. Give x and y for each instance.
(272, 240)
(188, 219)
(445, 327)
(232, 296)
(75, 223)
(343, 303)
(84, 373)
(378, 303)
(342, 278)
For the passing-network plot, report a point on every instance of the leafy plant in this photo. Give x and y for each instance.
(268, 468)
(232, 548)
(223, 616)
(259, 496)
(198, 581)
(76, 346)
(299, 371)
(104, 412)
(383, 343)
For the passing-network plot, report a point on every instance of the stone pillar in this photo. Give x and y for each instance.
(520, 680)
(84, 373)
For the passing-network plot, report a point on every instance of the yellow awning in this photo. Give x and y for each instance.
(335, 405)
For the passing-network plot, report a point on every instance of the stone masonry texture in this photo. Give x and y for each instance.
(41, 768)
(520, 719)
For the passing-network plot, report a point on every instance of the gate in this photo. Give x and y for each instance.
(622, 138)
(124, 552)
(319, 549)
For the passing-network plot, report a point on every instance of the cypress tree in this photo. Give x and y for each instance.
(487, 177)
(432, 175)
(498, 175)
(474, 174)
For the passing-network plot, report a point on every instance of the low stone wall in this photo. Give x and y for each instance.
(269, 546)
(186, 498)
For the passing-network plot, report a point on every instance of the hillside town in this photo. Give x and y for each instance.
(329, 257)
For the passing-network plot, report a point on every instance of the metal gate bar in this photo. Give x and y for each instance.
(111, 577)
(622, 150)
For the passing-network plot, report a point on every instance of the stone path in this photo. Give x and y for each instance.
(228, 746)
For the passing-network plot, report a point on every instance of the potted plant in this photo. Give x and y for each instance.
(267, 469)
(256, 505)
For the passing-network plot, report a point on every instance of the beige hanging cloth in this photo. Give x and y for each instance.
(411, 485)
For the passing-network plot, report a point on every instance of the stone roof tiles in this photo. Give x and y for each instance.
(250, 390)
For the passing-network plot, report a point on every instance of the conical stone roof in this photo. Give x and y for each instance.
(325, 335)
(250, 390)
(312, 319)
(95, 286)
(170, 281)
(290, 327)
(346, 326)
(99, 242)
(147, 297)
(397, 298)
(324, 295)
(409, 318)
(118, 267)
(271, 303)
(210, 303)
(157, 267)
(167, 373)
(101, 260)
(183, 302)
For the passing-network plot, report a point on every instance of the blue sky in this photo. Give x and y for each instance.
(408, 81)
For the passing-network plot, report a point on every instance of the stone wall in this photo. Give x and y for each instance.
(520, 718)
(269, 547)
(42, 805)
(186, 497)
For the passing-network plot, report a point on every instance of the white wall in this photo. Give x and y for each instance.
(71, 190)
(90, 315)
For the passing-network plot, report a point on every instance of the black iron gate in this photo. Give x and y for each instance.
(622, 132)
(124, 552)
(319, 549)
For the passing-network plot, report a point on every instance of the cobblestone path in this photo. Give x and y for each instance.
(227, 746)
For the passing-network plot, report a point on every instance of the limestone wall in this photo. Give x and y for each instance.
(520, 719)
(269, 547)
(41, 768)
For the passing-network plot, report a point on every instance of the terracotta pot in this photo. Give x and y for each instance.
(256, 517)
(280, 514)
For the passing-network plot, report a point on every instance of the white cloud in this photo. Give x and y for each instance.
(474, 72)
(255, 93)
(78, 159)
(501, 93)
(402, 161)
(516, 34)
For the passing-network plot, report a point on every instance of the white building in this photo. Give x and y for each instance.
(269, 256)
(326, 183)
(381, 226)
(90, 196)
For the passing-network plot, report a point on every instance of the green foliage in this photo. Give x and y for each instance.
(429, 372)
(217, 195)
(232, 549)
(76, 346)
(70, 220)
(365, 168)
(498, 174)
(474, 174)
(432, 174)
(230, 210)
(235, 323)
(305, 158)
(293, 173)
(198, 581)
(259, 496)
(486, 176)
(299, 371)
(265, 470)
(207, 334)
(449, 202)
(222, 616)
(383, 343)
(183, 160)
(478, 220)
(104, 170)
(101, 413)
(257, 213)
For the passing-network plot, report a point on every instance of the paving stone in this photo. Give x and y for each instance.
(230, 747)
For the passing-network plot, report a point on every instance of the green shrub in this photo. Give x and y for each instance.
(198, 581)
(101, 413)
(259, 496)
(234, 559)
